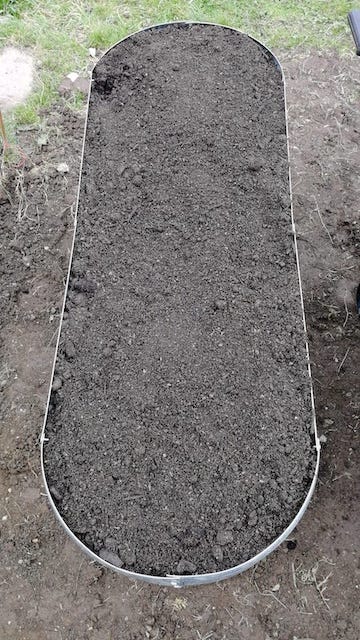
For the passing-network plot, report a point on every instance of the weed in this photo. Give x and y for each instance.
(179, 604)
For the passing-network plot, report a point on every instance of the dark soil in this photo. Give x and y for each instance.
(180, 419)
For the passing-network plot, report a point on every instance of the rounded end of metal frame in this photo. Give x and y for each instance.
(178, 581)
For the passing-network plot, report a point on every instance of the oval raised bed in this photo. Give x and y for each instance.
(180, 442)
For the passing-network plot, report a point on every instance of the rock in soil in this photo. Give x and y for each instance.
(185, 567)
(218, 553)
(110, 556)
(57, 383)
(70, 350)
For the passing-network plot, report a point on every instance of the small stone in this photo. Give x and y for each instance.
(217, 553)
(323, 439)
(176, 67)
(80, 300)
(220, 304)
(55, 493)
(57, 383)
(137, 180)
(27, 261)
(72, 76)
(185, 567)
(63, 167)
(255, 165)
(111, 557)
(276, 587)
(92, 52)
(69, 349)
(224, 537)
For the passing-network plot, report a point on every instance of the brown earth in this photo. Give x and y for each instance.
(48, 589)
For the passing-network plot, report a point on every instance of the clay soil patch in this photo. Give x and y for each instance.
(179, 426)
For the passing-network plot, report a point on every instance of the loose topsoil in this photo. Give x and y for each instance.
(179, 424)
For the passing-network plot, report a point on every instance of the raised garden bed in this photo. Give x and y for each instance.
(180, 430)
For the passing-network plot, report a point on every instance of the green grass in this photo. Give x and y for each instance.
(12, 7)
(59, 32)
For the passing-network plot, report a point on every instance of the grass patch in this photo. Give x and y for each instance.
(60, 32)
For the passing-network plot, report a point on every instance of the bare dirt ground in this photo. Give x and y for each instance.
(48, 589)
